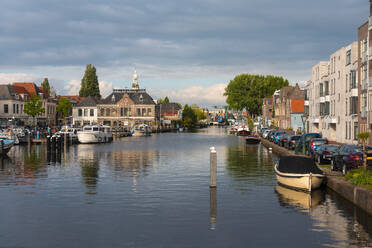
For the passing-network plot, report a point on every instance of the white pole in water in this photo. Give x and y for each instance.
(213, 167)
(310, 182)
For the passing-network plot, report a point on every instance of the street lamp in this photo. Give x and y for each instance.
(304, 118)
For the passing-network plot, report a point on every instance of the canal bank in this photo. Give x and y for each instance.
(359, 196)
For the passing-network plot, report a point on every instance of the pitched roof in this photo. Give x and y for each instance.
(169, 106)
(297, 106)
(139, 97)
(89, 101)
(77, 99)
(31, 88)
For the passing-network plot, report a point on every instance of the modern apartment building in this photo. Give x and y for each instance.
(333, 96)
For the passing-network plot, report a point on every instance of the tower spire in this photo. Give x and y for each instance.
(135, 85)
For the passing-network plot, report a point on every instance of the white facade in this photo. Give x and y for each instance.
(84, 116)
(333, 96)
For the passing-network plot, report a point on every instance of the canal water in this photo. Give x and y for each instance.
(154, 192)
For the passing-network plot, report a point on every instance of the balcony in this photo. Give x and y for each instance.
(307, 103)
(354, 92)
(327, 98)
(364, 56)
(322, 99)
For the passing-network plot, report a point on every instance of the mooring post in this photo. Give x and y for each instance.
(48, 143)
(70, 139)
(54, 141)
(213, 167)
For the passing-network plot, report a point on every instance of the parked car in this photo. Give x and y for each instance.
(325, 153)
(315, 143)
(283, 139)
(277, 136)
(347, 157)
(266, 133)
(291, 141)
(305, 139)
(271, 135)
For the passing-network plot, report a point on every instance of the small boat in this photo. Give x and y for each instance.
(243, 131)
(95, 134)
(10, 135)
(72, 132)
(5, 145)
(233, 130)
(299, 173)
(141, 130)
(252, 139)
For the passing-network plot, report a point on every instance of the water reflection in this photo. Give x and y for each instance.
(213, 207)
(247, 167)
(301, 201)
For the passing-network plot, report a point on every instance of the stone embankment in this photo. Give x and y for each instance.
(359, 196)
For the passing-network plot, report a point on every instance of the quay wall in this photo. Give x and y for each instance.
(359, 196)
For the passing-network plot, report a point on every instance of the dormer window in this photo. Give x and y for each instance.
(141, 98)
(17, 97)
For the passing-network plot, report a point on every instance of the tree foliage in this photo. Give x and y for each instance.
(89, 83)
(45, 85)
(165, 100)
(246, 91)
(189, 117)
(64, 107)
(34, 107)
(364, 136)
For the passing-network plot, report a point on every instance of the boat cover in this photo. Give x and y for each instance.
(298, 165)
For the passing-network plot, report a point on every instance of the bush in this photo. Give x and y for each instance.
(360, 177)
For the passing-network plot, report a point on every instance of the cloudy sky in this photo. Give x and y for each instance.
(187, 50)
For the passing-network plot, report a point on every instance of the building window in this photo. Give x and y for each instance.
(85, 112)
(326, 108)
(355, 130)
(21, 108)
(91, 112)
(352, 79)
(320, 90)
(121, 111)
(353, 105)
(108, 112)
(348, 57)
(14, 110)
(349, 130)
(102, 112)
(346, 130)
(138, 112)
(149, 111)
(143, 112)
(17, 108)
(6, 108)
(326, 88)
(346, 108)
(125, 111)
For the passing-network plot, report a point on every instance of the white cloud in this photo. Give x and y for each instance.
(8, 78)
(197, 94)
(73, 87)
(105, 88)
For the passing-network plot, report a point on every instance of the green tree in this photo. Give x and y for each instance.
(189, 117)
(34, 107)
(89, 83)
(45, 85)
(364, 136)
(200, 114)
(64, 107)
(166, 100)
(246, 91)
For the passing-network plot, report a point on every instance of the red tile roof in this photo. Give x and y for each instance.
(74, 98)
(29, 87)
(297, 106)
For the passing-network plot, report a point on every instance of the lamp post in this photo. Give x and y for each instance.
(304, 119)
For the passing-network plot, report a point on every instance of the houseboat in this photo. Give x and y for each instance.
(95, 134)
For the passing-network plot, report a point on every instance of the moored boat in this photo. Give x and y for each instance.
(243, 131)
(5, 145)
(95, 134)
(141, 130)
(252, 139)
(299, 173)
